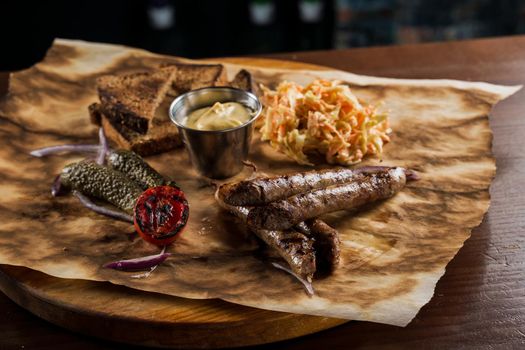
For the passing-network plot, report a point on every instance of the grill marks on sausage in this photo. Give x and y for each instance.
(286, 218)
(261, 191)
(326, 245)
(296, 248)
(286, 213)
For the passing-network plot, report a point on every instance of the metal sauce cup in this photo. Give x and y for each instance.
(215, 154)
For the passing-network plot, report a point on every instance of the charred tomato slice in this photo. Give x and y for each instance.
(160, 214)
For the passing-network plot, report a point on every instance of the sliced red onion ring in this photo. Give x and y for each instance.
(57, 189)
(142, 263)
(412, 175)
(42, 152)
(307, 285)
(104, 148)
(116, 214)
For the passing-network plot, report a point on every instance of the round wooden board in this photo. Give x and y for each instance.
(131, 316)
(127, 315)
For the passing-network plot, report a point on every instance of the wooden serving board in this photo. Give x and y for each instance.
(392, 254)
(127, 315)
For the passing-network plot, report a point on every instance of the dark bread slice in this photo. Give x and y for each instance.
(160, 138)
(162, 135)
(95, 113)
(195, 76)
(133, 99)
(243, 80)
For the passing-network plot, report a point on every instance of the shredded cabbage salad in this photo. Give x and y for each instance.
(324, 117)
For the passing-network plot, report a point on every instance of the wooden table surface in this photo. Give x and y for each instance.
(480, 302)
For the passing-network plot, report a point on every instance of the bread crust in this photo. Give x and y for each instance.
(131, 105)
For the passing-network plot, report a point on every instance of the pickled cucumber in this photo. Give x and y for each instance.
(136, 168)
(103, 183)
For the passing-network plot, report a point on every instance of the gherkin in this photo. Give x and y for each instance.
(101, 182)
(135, 167)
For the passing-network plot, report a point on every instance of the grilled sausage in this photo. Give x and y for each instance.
(294, 247)
(286, 213)
(327, 245)
(261, 191)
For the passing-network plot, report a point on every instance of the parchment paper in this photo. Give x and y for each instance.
(393, 253)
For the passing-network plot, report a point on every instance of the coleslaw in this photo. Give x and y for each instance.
(323, 117)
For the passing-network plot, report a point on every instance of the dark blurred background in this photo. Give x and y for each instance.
(211, 28)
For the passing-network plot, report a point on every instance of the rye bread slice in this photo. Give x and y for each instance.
(161, 134)
(243, 80)
(132, 99)
(195, 76)
(159, 139)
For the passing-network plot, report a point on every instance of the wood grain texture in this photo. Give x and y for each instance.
(122, 314)
(480, 300)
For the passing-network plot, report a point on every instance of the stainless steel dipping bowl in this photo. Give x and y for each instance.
(215, 154)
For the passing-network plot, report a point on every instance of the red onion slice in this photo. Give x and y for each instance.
(142, 263)
(116, 214)
(57, 189)
(307, 285)
(412, 175)
(42, 152)
(104, 148)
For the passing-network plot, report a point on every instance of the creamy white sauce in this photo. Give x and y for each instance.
(220, 116)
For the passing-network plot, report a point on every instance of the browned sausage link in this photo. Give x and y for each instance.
(294, 247)
(261, 191)
(327, 245)
(286, 213)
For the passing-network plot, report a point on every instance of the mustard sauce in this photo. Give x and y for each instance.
(220, 116)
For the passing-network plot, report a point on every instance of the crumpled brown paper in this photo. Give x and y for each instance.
(393, 253)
